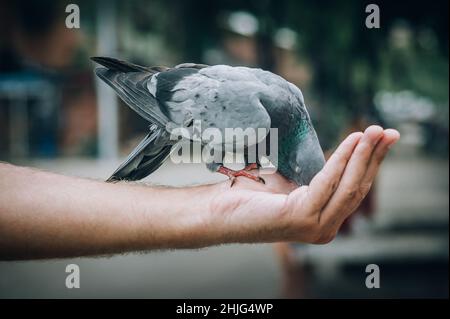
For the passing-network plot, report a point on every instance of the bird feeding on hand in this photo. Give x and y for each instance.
(219, 97)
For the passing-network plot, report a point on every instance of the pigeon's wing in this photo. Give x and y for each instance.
(147, 157)
(219, 97)
(130, 83)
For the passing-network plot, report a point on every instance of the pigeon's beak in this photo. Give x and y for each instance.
(308, 159)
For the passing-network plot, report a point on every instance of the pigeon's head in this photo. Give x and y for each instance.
(300, 155)
(306, 158)
(303, 155)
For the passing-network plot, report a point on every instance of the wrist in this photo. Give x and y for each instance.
(241, 215)
(184, 218)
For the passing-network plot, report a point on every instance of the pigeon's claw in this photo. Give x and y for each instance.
(232, 174)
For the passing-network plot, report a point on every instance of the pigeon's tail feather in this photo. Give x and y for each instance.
(148, 167)
(132, 89)
(146, 158)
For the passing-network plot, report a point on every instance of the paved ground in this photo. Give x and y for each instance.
(414, 190)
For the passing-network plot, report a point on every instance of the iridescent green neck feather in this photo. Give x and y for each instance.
(288, 142)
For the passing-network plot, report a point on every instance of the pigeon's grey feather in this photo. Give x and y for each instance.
(191, 65)
(131, 88)
(119, 65)
(147, 157)
(124, 66)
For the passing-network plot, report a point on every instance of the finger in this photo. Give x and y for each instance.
(325, 182)
(347, 192)
(390, 137)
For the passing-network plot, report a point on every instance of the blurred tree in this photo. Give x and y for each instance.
(348, 59)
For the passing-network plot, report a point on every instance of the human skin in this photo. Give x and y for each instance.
(46, 215)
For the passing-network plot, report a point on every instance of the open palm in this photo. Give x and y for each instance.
(283, 212)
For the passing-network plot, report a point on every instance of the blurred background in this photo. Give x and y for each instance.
(55, 115)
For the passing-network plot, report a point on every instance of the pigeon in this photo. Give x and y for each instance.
(219, 97)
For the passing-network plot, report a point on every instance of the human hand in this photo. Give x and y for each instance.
(279, 211)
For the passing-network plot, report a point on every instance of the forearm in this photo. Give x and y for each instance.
(45, 215)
